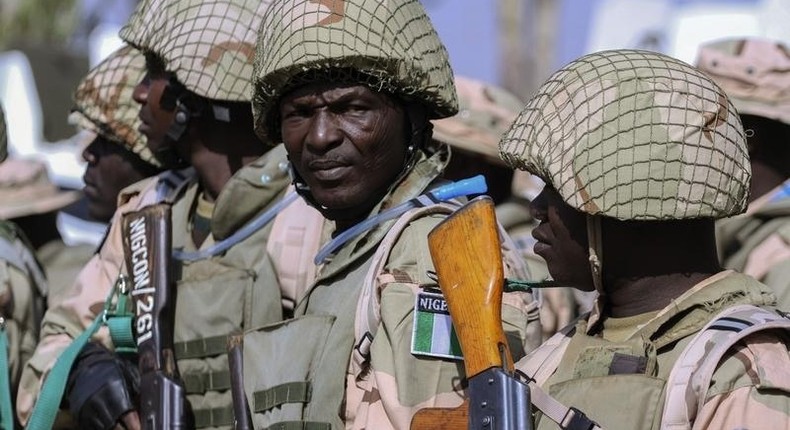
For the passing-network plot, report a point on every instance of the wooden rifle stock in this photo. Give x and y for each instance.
(242, 419)
(147, 237)
(466, 252)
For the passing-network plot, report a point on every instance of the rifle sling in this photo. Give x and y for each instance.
(567, 418)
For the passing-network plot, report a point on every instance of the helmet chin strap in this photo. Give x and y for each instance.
(595, 249)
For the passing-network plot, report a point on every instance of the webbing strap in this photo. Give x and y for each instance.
(213, 417)
(199, 348)
(567, 418)
(291, 392)
(48, 403)
(199, 383)
(6, 409)
(299, 425)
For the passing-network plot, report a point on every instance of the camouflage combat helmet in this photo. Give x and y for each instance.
(208, 44)
(755, 73)
(104, 104)
(484, 113)
(3, 138)
(390, 46)
(634, 135)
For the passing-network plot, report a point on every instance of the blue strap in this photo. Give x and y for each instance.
(6, 410)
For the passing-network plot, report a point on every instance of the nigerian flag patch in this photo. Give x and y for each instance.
(433, 334)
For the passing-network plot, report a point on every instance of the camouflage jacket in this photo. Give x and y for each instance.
(750, 388)
(23, 291)
(393, 383)
(234, 290)
(757, 243)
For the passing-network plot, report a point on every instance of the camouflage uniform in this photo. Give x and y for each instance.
(23, 290)
(485, 112)
(586, 132)
(209, 46)
(754, 73)
(318, 380)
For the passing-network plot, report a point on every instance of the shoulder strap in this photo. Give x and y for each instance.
(694, 369)
(293, 242)
(368, 312)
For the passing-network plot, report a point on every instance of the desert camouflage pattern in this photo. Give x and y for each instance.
(25, 189)
(757, 243)
(208, 45)
(3, 136)
(23, 291)
(104, 105)
(636, 135)
(750, 388)
(392, 44)
(485, 112)
(755, 74)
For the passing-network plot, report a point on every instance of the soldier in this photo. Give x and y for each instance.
(195, 108)
(640, 153)
(23, 290)
(350, 88)
(485, 113)
(116, 154)
(755, 74)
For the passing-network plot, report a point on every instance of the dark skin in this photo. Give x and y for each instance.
(205, 145)
(646, 264)
(769, 153)
(348, 144)
(111, 168)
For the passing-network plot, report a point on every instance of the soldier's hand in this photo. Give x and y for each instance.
(130, 421)
(101, 388)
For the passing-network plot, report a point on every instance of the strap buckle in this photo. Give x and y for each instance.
(577, 420)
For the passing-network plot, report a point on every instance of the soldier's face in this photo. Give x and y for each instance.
(348, 143)
(110, 169)
(562, 240)
(156, 121)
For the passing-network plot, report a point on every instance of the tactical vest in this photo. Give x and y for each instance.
(623, 384)
(308, 390)
(216, 297)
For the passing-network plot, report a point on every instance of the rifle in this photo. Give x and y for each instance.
(147, 237)
(466, 252)
(241, 412)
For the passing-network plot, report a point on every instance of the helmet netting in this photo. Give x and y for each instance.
(755, 74)
(208, 45)
(634, 135)
(104, 104)
(393, 43)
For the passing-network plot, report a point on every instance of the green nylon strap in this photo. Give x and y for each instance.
(48, 403)
(120, 320)
(200, 348)
(213, 417)
(199, 383)
(300, 425)
(291, 392)
(514, 285)
(6, 410)
(46, 408)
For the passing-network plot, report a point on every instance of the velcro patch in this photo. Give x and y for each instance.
(433, 334)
